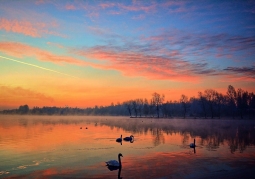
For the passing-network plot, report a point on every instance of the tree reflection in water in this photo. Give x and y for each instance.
(213, 133)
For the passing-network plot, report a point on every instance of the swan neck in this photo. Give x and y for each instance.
(119, 160)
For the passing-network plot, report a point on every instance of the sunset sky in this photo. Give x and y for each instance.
(87, 53)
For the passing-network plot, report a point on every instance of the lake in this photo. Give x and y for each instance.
(78, 147)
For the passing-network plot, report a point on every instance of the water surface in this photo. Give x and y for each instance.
(77, 147)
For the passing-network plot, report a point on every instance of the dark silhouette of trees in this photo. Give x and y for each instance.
(234, 103)
(135, 107)
(184, 101)
(128, 105)
(140, 103)
(242, 101)
(166, 109)
(157, 101)
(146, 107)
(251, 105)
(23, 109)
(210, 96)
(219, 101)
(202, 100)
(231, 96)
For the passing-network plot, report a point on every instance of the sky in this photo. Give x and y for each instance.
(87, 53)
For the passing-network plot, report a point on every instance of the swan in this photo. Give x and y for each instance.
(119, 139)
(129, 138)
(193, 145)
(112, 164)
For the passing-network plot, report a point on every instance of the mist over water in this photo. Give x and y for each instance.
(78, 147)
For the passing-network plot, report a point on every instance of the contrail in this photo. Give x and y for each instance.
(37, 66)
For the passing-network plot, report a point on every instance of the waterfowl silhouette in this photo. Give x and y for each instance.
(193, 145)
(119, 139)
(114, 164)
(131, 138)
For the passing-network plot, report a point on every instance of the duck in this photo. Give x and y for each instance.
(114, 164)
(129, 138)
(193, 145)
(119, 139)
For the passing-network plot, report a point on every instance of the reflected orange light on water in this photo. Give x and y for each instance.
(39, 137)
(59, 146)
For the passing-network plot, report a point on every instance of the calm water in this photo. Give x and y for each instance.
(57, 147)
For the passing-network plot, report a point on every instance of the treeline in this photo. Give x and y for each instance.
(208, 104)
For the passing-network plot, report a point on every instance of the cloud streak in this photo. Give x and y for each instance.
(247, 73)
(36, 66)
(20, 50)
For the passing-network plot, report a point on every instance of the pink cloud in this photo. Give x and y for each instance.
(70, 7)
(28, 28)
(23, 27)
(107, 5)
(137, 64)
(138, 7)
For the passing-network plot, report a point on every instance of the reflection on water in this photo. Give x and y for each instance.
(77, 147)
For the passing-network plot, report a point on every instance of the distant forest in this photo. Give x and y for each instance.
(208, 104)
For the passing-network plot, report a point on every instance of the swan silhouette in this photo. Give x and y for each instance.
(131, 138)
(113, 164)
(193, 145)
(119, 139)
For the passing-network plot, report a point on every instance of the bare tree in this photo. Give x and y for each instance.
(231, 94)
(219, 102)
(184, 101)
(146, 108)
(251, 104)
(210, 96)
(202, 100)
(135, 107)
(139, 103)
(151, 108)
(242, 101)
(166, 109)
(128, 105)
(157, 100)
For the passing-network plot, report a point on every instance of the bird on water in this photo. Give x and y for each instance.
(114, 164)
(193, 145)
(119, 139)
(128, 138)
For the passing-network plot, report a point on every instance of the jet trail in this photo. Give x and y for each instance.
(37, 66)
